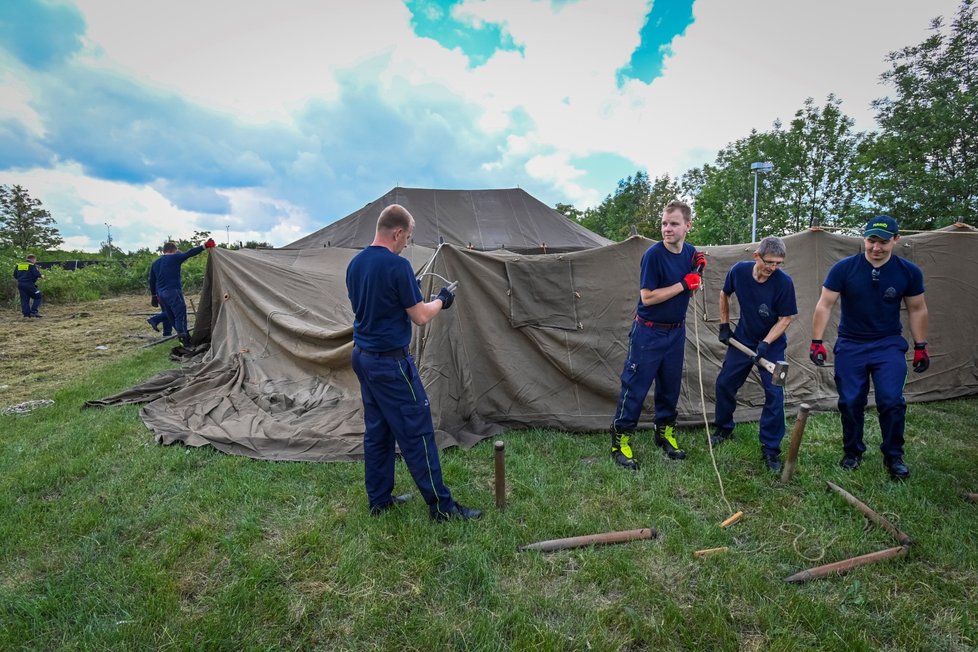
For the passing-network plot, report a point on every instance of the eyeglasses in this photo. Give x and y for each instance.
(773, 263)
(876, 275)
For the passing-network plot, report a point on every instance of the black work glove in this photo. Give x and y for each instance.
(762, 349)
(155, 301)
(725, 334)
(447, 298)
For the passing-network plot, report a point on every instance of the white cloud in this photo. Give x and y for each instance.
(259, 60)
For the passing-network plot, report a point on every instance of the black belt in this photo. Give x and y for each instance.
(397, 354)
(658, 324)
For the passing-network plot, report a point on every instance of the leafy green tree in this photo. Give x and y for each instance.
(723, 193)
(812, 182)
(816, 185)
(922, 166)
(636, 205)
(24, 223)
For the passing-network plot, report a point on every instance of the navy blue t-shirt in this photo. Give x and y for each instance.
(381, 286)
(761, 304)
(871, 296)
(662, 268)
(165, 272)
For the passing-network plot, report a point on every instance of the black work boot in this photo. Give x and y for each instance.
(719, 436)
(621, 451)
(773, 460)
(459, 512)
(377, 510)
(896, 468)
(666, 440)
(850, 462)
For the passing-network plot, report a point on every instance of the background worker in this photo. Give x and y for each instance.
(657, 339)
(27, 275)
(766, 296)
(870, 342)
(386, 298)
(166, 285)
(159, 318)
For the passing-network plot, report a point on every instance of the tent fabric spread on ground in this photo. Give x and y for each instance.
(532, 341)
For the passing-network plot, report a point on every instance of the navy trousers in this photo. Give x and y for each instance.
(736, 367)
(175, 309)
(654, 355)
(30, 299)
(884, 361)
(160, 318)
(396, 411)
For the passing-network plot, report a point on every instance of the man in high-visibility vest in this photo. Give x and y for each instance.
(27, 275)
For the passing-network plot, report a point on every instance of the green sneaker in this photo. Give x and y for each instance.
(666, 440)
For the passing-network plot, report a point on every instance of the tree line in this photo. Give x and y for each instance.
(920, 165)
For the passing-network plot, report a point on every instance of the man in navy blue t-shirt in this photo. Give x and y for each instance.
(386, 299)
(766, 296)
(166, 285)
(657, 339)
(872, 285)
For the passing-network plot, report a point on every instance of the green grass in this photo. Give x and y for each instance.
(109, 541)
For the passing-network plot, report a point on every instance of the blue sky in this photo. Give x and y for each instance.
(267, 121)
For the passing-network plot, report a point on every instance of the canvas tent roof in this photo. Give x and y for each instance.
(531, 341)
(509, 219)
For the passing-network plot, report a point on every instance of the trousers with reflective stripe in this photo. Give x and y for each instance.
(654, 355)
(396, 411)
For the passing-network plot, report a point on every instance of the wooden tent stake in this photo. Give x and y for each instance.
(592, 539)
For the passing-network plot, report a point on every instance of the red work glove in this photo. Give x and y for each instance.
(210, 243)
(817, 352)
(692, 282)
(155, 301)
(699, 261)
(921, 360)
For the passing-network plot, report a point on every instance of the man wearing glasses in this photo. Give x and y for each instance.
(766, 296)
(870, 343)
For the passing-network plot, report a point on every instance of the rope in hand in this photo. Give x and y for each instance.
(706, 421)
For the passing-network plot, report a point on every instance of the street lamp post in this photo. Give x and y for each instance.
(757, 169)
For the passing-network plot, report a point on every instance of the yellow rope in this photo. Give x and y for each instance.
(706, 421)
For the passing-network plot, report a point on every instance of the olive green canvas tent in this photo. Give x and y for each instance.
(532, 341)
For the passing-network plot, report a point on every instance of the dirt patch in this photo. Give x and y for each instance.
(38, 356)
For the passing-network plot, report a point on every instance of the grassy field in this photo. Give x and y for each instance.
(109, 541)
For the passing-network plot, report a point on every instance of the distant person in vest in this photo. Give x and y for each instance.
(166, 285)
(27, 275)
(386, 298)
(766, 297)
(870, 342)
(670, 272)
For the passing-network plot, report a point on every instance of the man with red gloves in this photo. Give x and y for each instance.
(166, 285)
(670, 272)
(870, 342)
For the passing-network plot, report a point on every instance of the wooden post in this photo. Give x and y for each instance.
(901, 538)
(971, 498)
(847, 564)
(591, 539)
(796, 434)
(500, 475)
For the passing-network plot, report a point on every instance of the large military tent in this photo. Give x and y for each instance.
(532, 341)
(486, 220)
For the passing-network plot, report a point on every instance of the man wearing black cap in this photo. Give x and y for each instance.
(870, 342)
